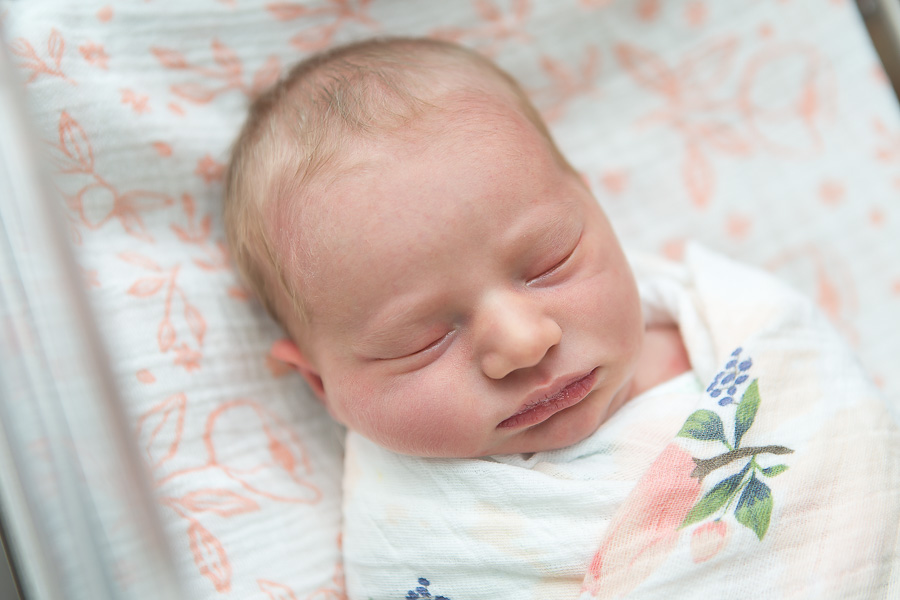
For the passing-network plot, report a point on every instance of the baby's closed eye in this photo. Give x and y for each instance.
(546, 273)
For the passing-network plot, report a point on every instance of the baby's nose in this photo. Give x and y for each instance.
(518, 335)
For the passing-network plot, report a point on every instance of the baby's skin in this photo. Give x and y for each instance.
(472, 298)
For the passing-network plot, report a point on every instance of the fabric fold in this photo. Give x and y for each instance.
(771, 470)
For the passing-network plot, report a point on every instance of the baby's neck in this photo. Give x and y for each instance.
(663, 357)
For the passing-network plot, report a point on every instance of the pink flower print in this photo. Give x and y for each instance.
(645, 530)
(209, 169)
(708, 540)
(32, 61)
(94, 54)
(105, 14)
(137, 102)
(321, 22)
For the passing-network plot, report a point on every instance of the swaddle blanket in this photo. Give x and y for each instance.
(770, 471)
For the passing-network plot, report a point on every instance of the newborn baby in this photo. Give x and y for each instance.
(452, 290)
(450, 286)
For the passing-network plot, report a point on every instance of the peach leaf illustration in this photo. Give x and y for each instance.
(195, 92)
(148, 286)
(265, 76)
(98, 201)
(699, 177)
(708, 66)
(226, 58)
(210, 557)
(165, 335)
(170, 59)
(275, 591)
(498, 26)
(196, 322)
(286, 454)
(159, 430)
(74, 143)
(224, 503)
(648, 69)
(288, 11)
(140, 260)
(224, 73)
(56, 46)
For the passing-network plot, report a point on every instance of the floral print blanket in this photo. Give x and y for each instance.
(771, 471)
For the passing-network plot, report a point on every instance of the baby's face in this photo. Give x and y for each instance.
(476, 300)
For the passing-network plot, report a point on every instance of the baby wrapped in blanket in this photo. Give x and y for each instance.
(527, 419)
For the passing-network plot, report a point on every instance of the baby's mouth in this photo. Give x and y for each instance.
(538, 411)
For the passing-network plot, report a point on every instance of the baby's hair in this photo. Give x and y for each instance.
(296, 131)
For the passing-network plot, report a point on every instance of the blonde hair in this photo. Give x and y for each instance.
(298, 128)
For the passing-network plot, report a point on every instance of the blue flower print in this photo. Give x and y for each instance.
(421, 591)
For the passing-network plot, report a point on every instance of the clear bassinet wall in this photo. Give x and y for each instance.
(77, 514)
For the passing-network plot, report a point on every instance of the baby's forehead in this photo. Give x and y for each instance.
(403, 181)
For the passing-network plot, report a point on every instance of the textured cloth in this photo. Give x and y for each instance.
(777, 477)
(763, 129)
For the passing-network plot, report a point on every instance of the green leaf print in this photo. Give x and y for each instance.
(755, 507)
(773, 471)
(746, 412)
(703, 425)
(716, 498)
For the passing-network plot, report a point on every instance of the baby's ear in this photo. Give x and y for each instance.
(287, 352)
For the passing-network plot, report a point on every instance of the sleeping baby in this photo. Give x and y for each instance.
(530, 413)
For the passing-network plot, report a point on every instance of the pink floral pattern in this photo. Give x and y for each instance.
(749, 134)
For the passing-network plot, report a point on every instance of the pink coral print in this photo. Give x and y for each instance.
(703, 109)
(323, 21)
(887, 150)
(828, 279)
(282, 476)
(337, 590)
(179, 315)
(137, 102)
(227, 75)
(31, 60)
(209, 169)
(145, 376)
(645, 530)
(503, 22)
(198, 233)
(647, 10)
(163, 149)
(275, 591)
(210, 557)
(279, 591)
(94, 54)
(160, 431)
(566, 83)
(614, 181)
(105, 14)
(97, 201)
(788, 124)
(162, 284)
(696, 13)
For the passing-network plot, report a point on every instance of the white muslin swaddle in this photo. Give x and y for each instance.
(772, 470)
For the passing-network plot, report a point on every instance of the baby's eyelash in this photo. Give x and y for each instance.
(556, 266)
(428, 347)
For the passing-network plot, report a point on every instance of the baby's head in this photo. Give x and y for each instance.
(448, 283)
